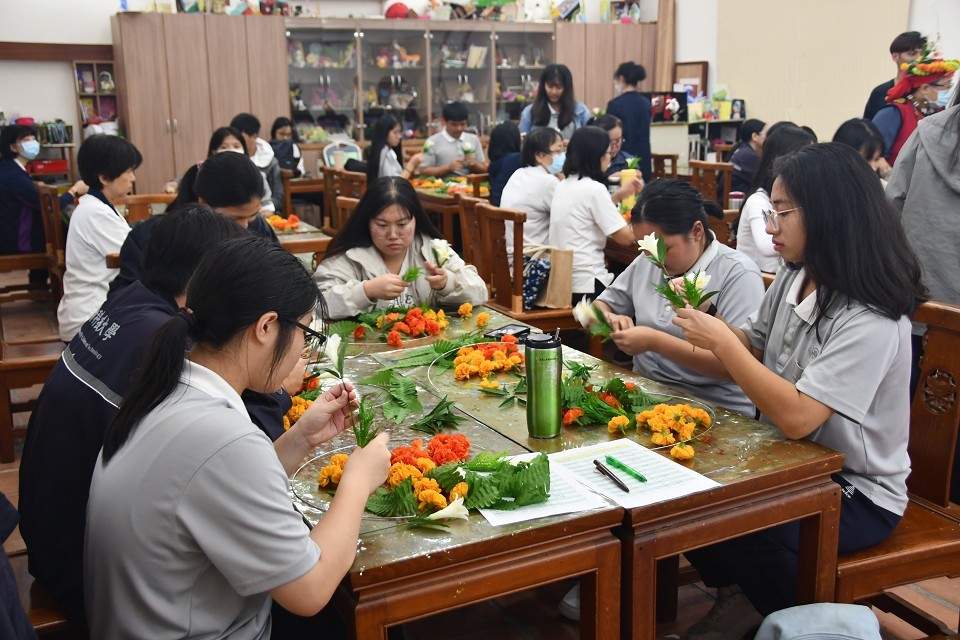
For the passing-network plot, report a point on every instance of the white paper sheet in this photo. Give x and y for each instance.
(665, 478)
(566, 496)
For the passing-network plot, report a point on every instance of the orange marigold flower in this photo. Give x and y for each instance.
(402, 327)
(286, 423)
(330, 475)
(462, 371)
(425, 464)
(359, 332)
(400, 472)
(339, 459)
(448, 447)
(416, 312)
(394, 339)
(430, 314)
(379, 322)
(393, 317)
(662, 438)
(409, 454)
(430, 498)
(482, 318)
(571, 416)
(509, 338)
(424, 484)
(630, 385)
(459, 490)
(682, 451)
(610, 400)
(618, 424)
(465, 310)
(489, 384)
(313, 383)
(431, 327)
(686, 431)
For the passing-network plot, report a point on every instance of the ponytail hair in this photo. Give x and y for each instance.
(235, 284)
(675, 207)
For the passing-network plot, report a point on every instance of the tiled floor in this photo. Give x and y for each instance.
(527, 615)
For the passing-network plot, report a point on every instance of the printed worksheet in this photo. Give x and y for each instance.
(665, 479)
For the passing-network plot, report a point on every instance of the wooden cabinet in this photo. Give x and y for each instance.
(594, 51)
(182, 75)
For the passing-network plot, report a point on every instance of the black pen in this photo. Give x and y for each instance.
(602, 468)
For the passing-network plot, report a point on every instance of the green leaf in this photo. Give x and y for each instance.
(484, 491)
(439, 417)
(411, 274)
(507, 403)
(402, 400)
(363, 429)
(379, 379)
(661, 250)
(529, 483)
(448, 475)
(393, 503)
(499, 391)
(343, 328)
(521, 386)
(423, 522)
(486, 461)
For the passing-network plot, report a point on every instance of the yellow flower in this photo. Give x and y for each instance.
(482, 318)
(339, 459)
(442, 319)
(459, 490)
(686, 431)
(618, 423)
(400, 472)
(425, 464)
(424, 484)
(286, 423)
(487, 366)
(430, 314)
(330, 475)
(462, 371)
(682, 451)
(662, 438)
(489, 384)
(465, 310)
(430, 498)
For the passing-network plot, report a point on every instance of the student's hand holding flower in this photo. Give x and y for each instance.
(633, 340)
(677, 285)
(437, 275)
(328, 415)
(385, 287)
(618, 322)
(368, 465)
(702, 330)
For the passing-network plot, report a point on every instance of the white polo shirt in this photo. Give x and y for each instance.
(854, 361)
(190, 524)
(582, 215)
(530, 189)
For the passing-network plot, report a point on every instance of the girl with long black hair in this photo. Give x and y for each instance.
(384, 153)
(555, 105)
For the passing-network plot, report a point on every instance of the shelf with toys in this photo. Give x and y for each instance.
(96, 93)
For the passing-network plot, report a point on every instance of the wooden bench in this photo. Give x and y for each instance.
(45, 616)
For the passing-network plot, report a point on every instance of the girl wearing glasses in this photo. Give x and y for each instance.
(189, 492)
(826, 358)
(388, 234)
(752, 237)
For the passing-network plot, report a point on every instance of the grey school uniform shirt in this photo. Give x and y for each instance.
(442, 148)
(741, 289)
(190, 525)
(856, 362)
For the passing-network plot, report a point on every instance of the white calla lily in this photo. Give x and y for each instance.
(441, 250)
(699, 278)
(331, 348)
(453, 510)
(583, 313)
(467, 147)
(649, 244)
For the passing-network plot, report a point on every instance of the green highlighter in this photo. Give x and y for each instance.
(633, 473)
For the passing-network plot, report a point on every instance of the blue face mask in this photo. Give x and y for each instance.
(943, 98)
(31, 149)
(557, 165)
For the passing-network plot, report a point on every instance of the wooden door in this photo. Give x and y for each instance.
(267, 61)
(637, 43)
(228, 68)
(189, 80)
(597, 90)
(141, 68)
(571, 51)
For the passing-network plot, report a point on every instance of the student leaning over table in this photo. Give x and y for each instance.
(81, 395)
(583, 216)
(675, 211)
(388, 234)
(190, 528)
(826, 358)
(106, 164)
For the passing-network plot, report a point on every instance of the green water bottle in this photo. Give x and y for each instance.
(544, 363)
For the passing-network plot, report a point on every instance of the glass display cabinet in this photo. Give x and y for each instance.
(394, 74)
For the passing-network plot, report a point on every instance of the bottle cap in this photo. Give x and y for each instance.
(542, 341)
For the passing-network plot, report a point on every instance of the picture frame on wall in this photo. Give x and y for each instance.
(692, 76)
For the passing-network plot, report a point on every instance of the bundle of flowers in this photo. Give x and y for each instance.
(486, 358)
(671, 422)
(284, 224)
(396, 324)
(438, 482)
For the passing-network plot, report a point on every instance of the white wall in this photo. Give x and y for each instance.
(940, 21)
(696, 22)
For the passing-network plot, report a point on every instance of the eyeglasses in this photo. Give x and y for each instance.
(313, 340)
(772, 217)
(616, 142)
(385, 230)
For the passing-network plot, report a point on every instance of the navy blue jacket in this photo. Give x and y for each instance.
(634, 111)
(21, 227)
(500, 171)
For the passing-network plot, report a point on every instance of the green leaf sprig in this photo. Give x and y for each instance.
(411, 274)
(363, 429)
(401, 394)
(509, 396)
(439, 417)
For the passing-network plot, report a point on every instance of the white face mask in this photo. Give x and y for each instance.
(617, 89)
(233, 150)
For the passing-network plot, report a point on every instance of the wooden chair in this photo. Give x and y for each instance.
(723, 229)
(507, 281)
(723, 150)
(345, 207)
(27, 261)
(472, 236)
(44, 614)
(21, 366)
(926, 543)
(477, 180)
(140, 207)
(660, 168)
(353, 184)
(410, 148)
(299, 185)
(704, 178)
(56, 233)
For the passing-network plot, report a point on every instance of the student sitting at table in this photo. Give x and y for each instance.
(189, 493)
(453, 152)
(827, 358)
(583, 215)
(228, 183)
(675, 211)
(283, 141)
(384, 152)
(618, 156)
(106, 165)
(504, 152)
(388, 234)
(555, 104)
(530, 189)
(81, 395)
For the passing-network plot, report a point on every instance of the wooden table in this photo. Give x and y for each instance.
(445, 206)
(620, 253)
(765, 480)
(305, 240)
(403, 574)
